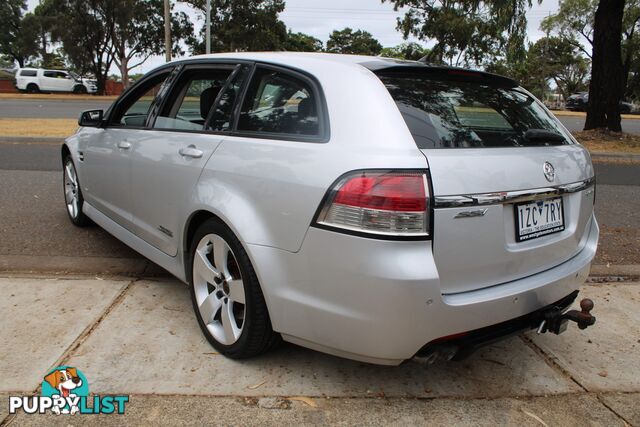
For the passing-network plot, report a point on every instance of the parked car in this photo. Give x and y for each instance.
(579, 102)
(369, 208)
(34, 80)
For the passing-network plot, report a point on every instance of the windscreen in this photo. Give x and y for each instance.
(473, 113)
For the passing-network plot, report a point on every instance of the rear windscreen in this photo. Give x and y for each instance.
(456, 113)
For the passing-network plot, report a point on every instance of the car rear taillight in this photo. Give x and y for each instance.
(385, 203)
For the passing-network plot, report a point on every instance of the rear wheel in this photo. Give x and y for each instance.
(226, 294)
(32, 88)
(73, 194)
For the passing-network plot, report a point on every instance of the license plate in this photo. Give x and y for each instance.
(539, 218)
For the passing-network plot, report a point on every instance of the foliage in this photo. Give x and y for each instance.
(410, 51)
(550, 59)
(241, 25)
(353, 42)
(98, 33)
(556, 59)
(138, 31)
(85, 31)
(17, 35)
(574, 23)
(6, 62)
(465, 32)
(300, 42)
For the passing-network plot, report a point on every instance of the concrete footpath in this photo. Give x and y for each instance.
(138, 336)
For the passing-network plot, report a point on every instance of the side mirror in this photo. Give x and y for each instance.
(91, 118)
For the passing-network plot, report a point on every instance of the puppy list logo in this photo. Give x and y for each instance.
(65, 390)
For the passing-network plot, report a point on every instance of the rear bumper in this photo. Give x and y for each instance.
(381, 302)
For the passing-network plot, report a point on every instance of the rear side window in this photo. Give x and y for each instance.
(458, 113)
(28, 73)
(279, 103)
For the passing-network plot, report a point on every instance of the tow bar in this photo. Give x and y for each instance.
(556, 322)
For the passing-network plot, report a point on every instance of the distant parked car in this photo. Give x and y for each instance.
(34, 80)
(579, 102)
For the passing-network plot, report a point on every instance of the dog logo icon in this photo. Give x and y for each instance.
(65, 385)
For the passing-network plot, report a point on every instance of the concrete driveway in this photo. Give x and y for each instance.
(140, 337)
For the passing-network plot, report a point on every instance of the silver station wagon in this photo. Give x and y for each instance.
(365, 207)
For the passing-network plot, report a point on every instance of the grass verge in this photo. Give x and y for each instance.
(603, 141)
(38, 127)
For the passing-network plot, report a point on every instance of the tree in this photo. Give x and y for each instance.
(85, 33)
(17, 38)
(550, 59)
(241, 25)
(574, 23)
(575, 20)
(300, 42)
(98, 33)
(607, 71)
(465, 32)
(353, 42)
(557, 59)
(410, 51)
(138, 30)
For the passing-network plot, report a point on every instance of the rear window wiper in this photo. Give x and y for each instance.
(542, 136)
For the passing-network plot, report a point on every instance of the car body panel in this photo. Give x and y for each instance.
(385, 301)
(107, 174)
(162, 183)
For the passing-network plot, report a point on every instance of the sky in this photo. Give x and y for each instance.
(320, 18)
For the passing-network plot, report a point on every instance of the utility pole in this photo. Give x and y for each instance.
(167, 30)
(208, 28)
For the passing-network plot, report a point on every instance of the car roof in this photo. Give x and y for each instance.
(302, 60)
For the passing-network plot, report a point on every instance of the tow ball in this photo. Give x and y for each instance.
(555, 321)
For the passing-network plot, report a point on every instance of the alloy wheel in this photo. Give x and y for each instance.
(71, 190)
(219, 289)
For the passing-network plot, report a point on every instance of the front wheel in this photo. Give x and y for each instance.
(73, 194)
(226, 294)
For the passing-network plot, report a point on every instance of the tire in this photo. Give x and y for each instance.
(73, 194)
(234, 329)
(79, 89)
(33, 88)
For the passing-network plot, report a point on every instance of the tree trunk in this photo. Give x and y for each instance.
(605, 89)
(124, 71)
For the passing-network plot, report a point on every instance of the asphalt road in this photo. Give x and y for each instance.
(44, 109)
(33, 220)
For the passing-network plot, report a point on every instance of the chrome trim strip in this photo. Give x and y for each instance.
(510, 196)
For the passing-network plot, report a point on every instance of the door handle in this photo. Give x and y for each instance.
(191, 151)
(124, 145)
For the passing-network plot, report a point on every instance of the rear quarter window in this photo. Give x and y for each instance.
(27, 73)
(278, 103)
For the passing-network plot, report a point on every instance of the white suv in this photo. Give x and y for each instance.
(34, 80)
